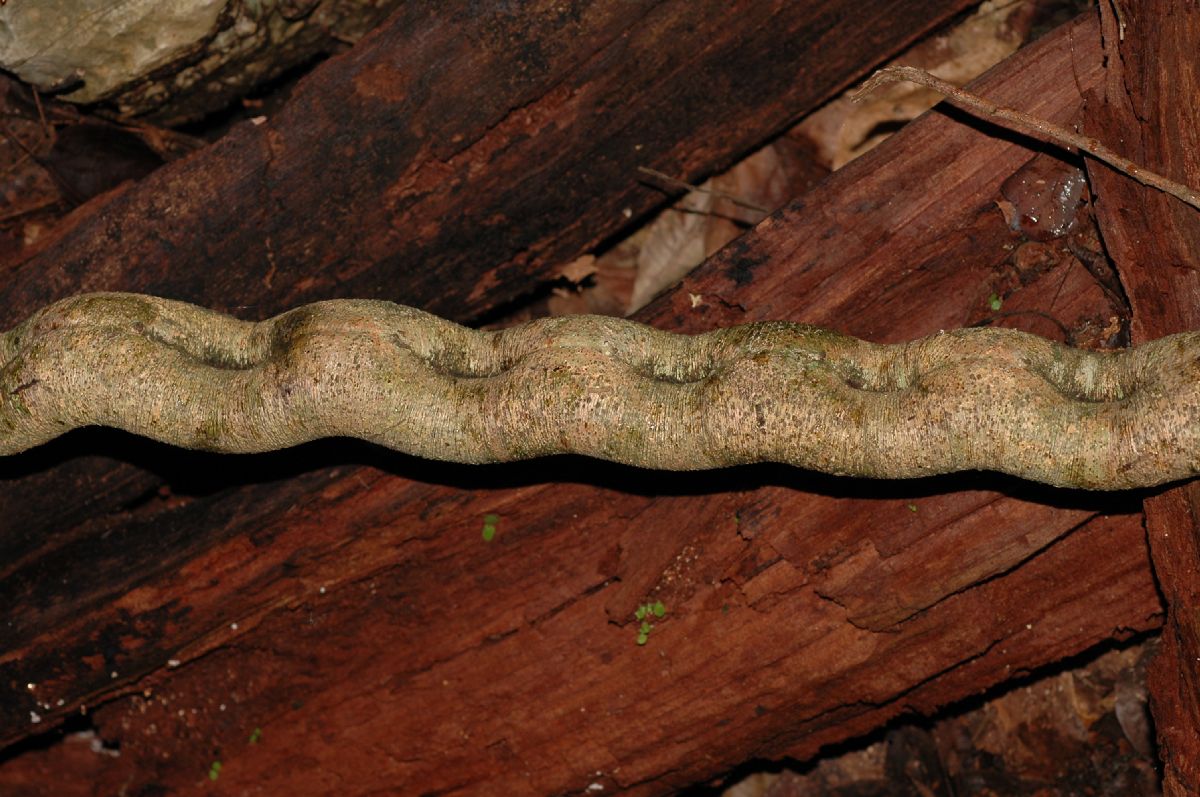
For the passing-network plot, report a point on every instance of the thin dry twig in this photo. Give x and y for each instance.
(677, 183)
(41, 112)
(1038, 128)
(27, 155)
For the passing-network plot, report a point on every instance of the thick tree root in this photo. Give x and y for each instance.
(968, 399)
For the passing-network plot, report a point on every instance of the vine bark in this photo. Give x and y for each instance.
(970, 399)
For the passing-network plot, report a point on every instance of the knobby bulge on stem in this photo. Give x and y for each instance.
(990, 399)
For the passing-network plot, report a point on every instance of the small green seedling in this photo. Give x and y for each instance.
(255, 735)
(644, 613)
(912, 508)
(994, 302)
(489, 526)
(214, 771)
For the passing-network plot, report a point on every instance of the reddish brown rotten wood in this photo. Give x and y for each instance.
(1147, 107)
(358, 618)
(461, 151)
(449, 161)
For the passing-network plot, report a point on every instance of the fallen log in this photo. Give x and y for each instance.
(359, 619)
(456, 156)
(450, 161)
(1147, 104)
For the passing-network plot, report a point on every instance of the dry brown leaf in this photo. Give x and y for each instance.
(843, 130)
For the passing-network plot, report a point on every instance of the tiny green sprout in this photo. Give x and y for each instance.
(489, 526)
(255, 735)
(643, 613)
(214, 771)
(912, 508)
(994, 302)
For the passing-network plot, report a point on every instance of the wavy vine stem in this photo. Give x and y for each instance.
(969, 399)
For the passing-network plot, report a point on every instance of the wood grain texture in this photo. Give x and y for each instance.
(1147, 108)
(380, 643)
(449, 161)
(461, 151)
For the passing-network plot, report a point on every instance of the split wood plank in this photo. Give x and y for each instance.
(1147, 109)
(461, 151)
(449, 161)
(356, 614)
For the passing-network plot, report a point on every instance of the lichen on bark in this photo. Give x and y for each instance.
(989, 399)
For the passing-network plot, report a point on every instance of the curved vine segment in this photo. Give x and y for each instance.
(969, 399)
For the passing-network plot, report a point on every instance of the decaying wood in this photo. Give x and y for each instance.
(358, 618)
(178, 60)
(447, 162)
(1148, 103)
(458, 154)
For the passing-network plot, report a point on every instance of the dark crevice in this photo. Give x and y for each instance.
(906, 721)
(150, 495)
(70, 725)
(502, 314)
